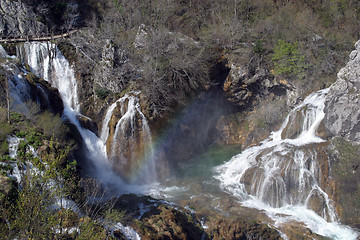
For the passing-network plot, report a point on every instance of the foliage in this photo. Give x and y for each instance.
(35, 211)
(102, 93)
(51, 125)
(4, 148)
(259, 47)
(287, 60)
(32, 218)
(175, 70)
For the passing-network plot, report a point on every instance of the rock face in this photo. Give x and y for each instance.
(141, 40)
(46, 96)
(341, 122)
(343, 101)
(245, 83)
(106, 76)
(17, 19)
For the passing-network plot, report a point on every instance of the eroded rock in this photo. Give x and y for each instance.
(343, 101)
(18, 19)
(246, 83)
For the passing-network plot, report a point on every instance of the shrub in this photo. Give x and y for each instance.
(52, 125)
(258, 47)
(5, 129)
(4, 148)
(102, 93)
(287, 60)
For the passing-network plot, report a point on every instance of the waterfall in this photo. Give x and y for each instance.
(19, 92)
(282, 174)
(105, 126)
(47, 62)
(13, 148)
(129, 148)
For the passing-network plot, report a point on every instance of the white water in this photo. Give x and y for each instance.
(13, 147)
(105, 126)
(46, 61)
(127, 231)
(127, 126)
(19, 90)
(280, 175)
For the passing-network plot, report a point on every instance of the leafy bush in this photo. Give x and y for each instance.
(5, 129)
(4, 148)
(287, 60)
(102, 93)
(52, 125)
(259, 47)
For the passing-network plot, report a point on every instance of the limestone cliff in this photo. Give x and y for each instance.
(342, 126)
(342, 105)
(18, 19)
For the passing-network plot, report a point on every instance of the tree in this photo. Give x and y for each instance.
(287, 60)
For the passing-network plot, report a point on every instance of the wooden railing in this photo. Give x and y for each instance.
(36, 38)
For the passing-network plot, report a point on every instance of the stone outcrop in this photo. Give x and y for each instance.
(18, 19)
(141, 40)
(342, 125)
(343, 101)
(46, 96)
(112, 72)
(245, 83)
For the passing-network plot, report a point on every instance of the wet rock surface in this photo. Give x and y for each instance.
(158, 219)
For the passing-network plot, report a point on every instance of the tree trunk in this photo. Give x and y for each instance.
(7, 99)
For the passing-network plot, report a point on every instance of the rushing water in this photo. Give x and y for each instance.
(47, 62)
(132, 128)
(283, 173)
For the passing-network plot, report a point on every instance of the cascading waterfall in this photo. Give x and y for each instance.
(46, 61)
(13, 147)
(19, 90)
(132, 130)
(282, 174)
(105, 126)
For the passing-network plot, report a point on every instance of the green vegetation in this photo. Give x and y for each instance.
(304, 42)
(33, 211)
(102, 93)
(288, 62)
